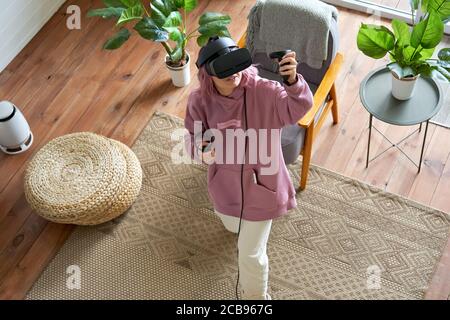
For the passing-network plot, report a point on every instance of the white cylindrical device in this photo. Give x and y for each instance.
(15, 133)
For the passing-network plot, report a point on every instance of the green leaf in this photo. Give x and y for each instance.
(148, 29)
(444, 57)
(408, 53)
(444, 64)
(182, 40)
(414, 4)
(114, 4)
(177, 54)
(130, 3)
(433, 63)
(170, 5)
(214, 16)
(401, 32)
(424, 5)
(437, 73)
(441, 7)
(224, 33)
(444, 54)
(424, 69)
(426, 53)
(117, 40)
(164, 6)
(174, 34)
(217, 28)
(157, 15)
(444, 72)
(375, 41)
(428, 33)
(106, 13)
(187, 5)
(202, 40)
(434, 70)
(131, 14)
(401, 72)
(173, 20)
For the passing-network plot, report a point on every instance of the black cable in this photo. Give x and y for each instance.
(242, 191)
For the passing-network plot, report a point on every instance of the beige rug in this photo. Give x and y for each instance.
(170, 245)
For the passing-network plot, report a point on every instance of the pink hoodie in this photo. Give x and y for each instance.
(269, 105)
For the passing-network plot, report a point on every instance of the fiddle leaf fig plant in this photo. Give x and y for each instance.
(163, 21)
(411, 49)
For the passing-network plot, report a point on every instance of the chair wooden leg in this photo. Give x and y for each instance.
(334, 108)
(307, 151)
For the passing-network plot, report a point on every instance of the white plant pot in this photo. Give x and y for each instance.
(181, 76)
(403, 89)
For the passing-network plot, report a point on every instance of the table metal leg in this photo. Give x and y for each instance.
(423, 145)
(368, 144)
(420, 127)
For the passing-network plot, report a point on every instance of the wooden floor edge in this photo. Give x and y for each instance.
(23, 276)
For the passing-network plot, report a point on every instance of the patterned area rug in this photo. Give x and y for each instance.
(346, 240)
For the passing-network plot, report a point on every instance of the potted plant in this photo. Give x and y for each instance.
(410, 48)
(163, 21)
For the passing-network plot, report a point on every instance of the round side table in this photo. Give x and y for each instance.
(376, 97)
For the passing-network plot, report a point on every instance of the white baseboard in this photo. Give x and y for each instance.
(21, 20)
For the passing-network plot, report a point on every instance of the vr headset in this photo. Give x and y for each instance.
(223, 58)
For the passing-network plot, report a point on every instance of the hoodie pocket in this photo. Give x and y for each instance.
(257, 195)
(224, 187)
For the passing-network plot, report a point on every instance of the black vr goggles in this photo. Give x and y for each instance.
(223, 58)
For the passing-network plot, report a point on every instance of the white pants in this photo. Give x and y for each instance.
(253, 260)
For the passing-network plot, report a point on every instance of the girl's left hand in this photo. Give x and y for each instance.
(290, 69)
(209, 157)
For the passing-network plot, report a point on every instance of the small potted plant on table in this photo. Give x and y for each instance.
(410, 48)
(162, 21)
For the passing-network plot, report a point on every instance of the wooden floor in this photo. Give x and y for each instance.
(64, 82)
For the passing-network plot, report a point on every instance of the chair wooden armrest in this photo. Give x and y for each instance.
(323, 90)
(242, 41)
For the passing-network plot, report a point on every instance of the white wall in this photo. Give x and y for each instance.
(20, 20)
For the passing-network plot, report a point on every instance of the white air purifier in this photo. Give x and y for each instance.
(15, 133)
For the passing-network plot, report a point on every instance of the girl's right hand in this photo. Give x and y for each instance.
(208, 157)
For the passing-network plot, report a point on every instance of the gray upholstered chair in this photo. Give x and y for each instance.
(298, 139)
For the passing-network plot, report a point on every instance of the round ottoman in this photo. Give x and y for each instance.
(82, 178)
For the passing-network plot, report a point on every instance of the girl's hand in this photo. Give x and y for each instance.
(290, 69)
(208, 157)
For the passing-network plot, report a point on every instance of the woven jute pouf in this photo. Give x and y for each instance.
(82, 178)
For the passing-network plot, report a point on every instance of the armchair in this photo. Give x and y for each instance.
(299, 138)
